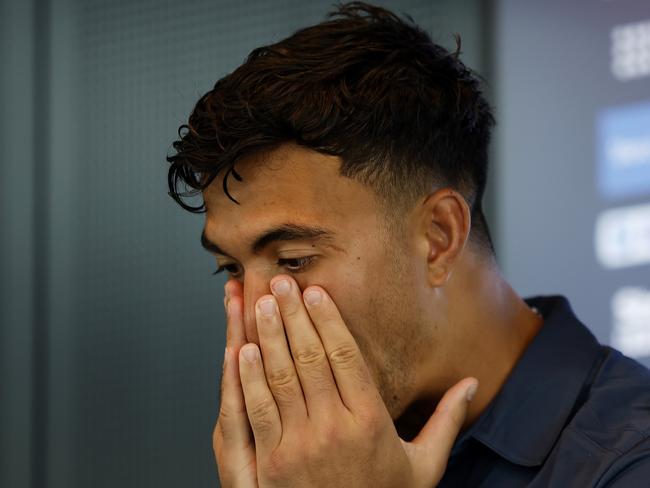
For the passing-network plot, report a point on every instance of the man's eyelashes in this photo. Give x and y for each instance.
(292, 265)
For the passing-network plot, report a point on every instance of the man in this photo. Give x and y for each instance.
(342, 172)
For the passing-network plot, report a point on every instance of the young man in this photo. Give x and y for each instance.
(342, 172)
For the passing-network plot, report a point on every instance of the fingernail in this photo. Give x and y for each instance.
(313, 297)
(471, 391)
(281, 287)
(267, 307)
(250, 353)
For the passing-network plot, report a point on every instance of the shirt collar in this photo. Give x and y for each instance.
(523, 421)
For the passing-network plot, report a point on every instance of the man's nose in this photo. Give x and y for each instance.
(255, 285)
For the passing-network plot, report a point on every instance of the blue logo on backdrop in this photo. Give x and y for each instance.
(624, 151)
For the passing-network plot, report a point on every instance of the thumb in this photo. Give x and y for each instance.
(430, 449)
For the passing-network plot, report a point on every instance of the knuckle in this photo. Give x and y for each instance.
(370, 421)
(280, 378)
(331, 437)
(284, 385)
(278, 467)
(220, 448)
(261, 416)
(310, 355)
(330, 434)
(223, 433)
(227, 417)
(343, 355)
(217, 438)
(261, 408)
(262, 426)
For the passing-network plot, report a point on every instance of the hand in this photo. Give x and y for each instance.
(317, 418)
(232, 439)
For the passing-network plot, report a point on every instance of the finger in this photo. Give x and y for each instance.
(262, 410)
(232, 439)
(279, 368)
(235, 331)
(353, 378)
(235, 338)
(232, 430)
(313, 368)
(431, 448)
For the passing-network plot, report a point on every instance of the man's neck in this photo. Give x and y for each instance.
(503, 338)
(494, 326)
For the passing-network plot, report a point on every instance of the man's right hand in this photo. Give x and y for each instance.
(236, 464)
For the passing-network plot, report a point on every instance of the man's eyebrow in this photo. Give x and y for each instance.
(283, 232)
(210, 246)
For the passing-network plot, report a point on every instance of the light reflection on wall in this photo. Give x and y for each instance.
(622, 237)
(573, 159)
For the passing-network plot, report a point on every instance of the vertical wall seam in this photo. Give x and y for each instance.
(40, 222)
(488, 32)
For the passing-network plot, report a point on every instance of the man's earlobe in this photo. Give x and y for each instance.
(438, 276)
(447, 221)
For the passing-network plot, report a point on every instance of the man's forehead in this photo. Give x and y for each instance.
(291, 180)
(289, 175)
(292, 185)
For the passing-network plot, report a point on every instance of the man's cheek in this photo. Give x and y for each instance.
(360, 332)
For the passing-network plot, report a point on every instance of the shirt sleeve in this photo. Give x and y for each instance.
(632, 469)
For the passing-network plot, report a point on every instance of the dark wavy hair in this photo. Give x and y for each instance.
(404, 114)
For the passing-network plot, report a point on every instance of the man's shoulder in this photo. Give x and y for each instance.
(615, 418)
(618, 401)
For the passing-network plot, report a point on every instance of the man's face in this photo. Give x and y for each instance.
(371, 275)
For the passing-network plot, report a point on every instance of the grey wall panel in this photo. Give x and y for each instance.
(16, 241)
(557, 79)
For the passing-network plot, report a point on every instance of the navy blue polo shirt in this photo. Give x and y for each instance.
(572, 413)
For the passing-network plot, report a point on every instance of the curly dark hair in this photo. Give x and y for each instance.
(404, 114)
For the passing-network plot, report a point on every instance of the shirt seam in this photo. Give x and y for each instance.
(644, 432)
(594, 442)
(645, 435)
(606, 471)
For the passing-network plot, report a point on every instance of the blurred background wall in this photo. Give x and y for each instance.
(112, 331)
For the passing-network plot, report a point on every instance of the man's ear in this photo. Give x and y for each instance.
(445, 222)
